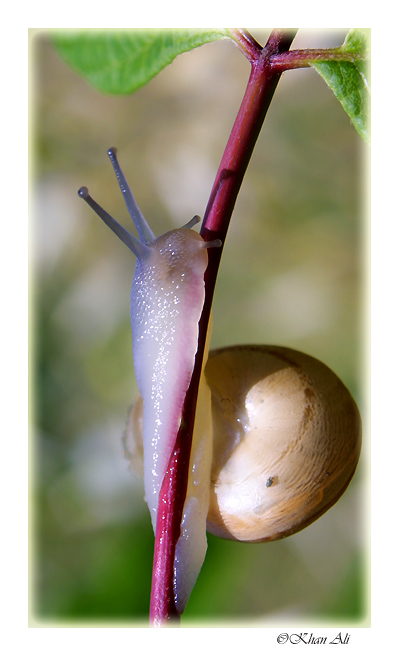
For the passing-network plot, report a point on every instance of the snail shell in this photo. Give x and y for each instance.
(286, 441)
(287, 438)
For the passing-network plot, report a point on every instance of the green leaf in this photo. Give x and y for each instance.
(349, 79)
(119, 62)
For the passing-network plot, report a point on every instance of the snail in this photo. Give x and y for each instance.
(277, 435)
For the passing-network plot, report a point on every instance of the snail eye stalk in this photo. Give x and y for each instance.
(140, 250)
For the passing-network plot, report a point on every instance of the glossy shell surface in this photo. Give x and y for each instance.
(287, 438)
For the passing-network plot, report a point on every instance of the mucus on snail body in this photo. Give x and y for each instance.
(277, 435)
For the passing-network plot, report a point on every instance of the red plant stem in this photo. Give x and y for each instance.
(258, 95)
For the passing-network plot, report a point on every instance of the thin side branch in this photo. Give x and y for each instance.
(304, 58)
(247, 44)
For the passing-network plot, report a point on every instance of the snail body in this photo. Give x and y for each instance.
(166, 302)
(167, 299)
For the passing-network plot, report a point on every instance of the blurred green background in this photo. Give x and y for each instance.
(293, 273)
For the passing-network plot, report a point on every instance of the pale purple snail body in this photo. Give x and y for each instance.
(166, 303)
